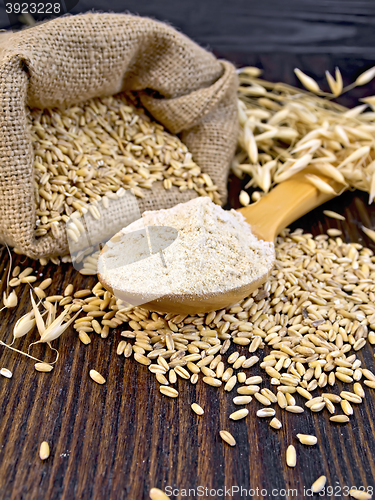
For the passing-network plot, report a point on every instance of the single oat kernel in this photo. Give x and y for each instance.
(6, 373)
(156, 494)
(291, 456)
(45, 283)
(228, 438)
(317, 406)
(340, 419)
(212, 381)
(333, 215)
(143, 360)
(242, 400)
(43, 367)
(307, 439)
(168, 391)
(68, 290)
(360, 495)
(346, 407)
(266, 412)
(84, 338)
(350, 396)
(275, 423)
(294, 409)
(231, 383)
(248, 390)
(239, 414)
(254, 380)
(368, 374)
(334, 232)
(262, 399)
(96, 377)
(244, 198)
(44, 451)
(319, 484)
(197, 409)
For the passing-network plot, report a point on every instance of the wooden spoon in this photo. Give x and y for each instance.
(283, 205)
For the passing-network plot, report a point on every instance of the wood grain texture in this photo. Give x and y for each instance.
(118, 440)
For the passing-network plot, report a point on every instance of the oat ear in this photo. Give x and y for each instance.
(38, 317)
(57, 328)
(365, 77)
(24, 325)
(308, 82)
(51, 315)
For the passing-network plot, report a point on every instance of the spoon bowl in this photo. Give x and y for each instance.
(271, 214)
(189, 304)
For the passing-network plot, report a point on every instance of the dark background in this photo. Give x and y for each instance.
(314, 35)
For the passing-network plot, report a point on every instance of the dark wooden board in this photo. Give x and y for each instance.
(118, 440)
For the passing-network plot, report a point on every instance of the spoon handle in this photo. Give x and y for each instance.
(284, 204)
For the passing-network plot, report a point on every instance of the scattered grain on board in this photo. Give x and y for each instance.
(44, 450)
(197, 409)
(314, 310)
(239, 414)
(156, 494)
(97, 377)
(276, 424)
(6, 373)
(43, 367)
(319, 484)
(242, 400)
(333, 215)
(307, 439)
(168, 391)
(340, 419)
(227, 437)
(291, 456)
(360, 495)
(266, 412)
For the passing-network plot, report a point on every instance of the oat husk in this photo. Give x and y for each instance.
(75, 58)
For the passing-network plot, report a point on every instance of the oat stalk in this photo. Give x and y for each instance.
(53, 328)
(11, 300)
(26, 354)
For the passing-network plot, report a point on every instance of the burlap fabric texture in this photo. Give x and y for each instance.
(74, 58)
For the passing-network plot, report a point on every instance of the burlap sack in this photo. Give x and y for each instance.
(75, 58)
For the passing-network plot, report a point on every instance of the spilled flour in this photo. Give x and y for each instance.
(213, 251)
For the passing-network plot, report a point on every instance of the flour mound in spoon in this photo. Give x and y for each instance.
(214, 251)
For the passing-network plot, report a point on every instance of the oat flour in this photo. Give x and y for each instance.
(214, 251)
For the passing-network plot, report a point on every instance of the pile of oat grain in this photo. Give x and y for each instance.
(314, 314)
(86, 153)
